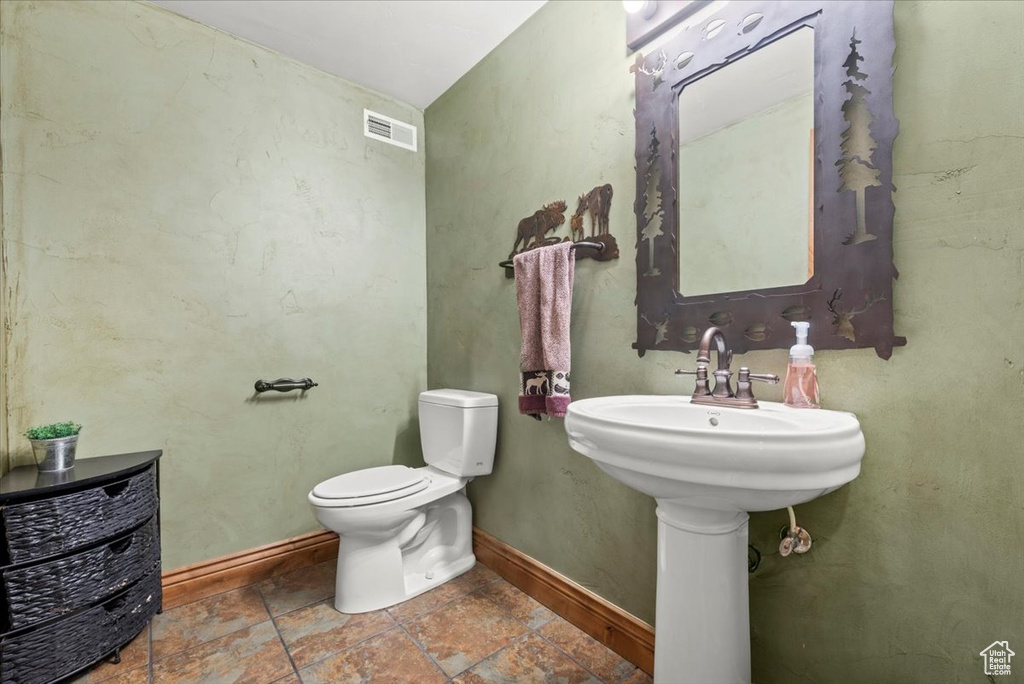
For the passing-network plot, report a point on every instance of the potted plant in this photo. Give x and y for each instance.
(54, 445)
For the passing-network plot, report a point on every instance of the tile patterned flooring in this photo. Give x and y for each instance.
(475, 629)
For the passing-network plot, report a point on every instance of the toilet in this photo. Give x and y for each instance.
(403, 531)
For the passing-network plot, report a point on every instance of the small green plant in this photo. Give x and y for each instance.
(53, 430)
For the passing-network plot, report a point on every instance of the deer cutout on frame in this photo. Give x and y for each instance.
(842, 320)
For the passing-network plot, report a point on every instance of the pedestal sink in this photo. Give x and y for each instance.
(708, 466)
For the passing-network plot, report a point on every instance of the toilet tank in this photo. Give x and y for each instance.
(458, 430)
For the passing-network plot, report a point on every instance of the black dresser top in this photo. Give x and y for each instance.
(28, 481)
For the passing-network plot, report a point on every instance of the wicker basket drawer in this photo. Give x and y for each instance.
(39, 529)
(58, 587)
(48, 653)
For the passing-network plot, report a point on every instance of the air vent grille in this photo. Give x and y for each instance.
(386, 129)
(381, 128)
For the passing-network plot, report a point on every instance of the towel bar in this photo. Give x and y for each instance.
(599, 246)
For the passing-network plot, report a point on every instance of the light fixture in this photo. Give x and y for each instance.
(645, 8)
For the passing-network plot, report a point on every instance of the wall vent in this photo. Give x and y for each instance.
(386, 129)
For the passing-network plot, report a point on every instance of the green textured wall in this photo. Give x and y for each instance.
(184, 213)
(917, 564)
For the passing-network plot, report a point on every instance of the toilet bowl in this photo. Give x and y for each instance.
(403, 531)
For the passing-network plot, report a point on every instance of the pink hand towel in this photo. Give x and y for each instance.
(544, 295)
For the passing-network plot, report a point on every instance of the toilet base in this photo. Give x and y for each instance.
(432, 547)
(417, 584)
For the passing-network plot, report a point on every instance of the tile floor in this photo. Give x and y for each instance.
(475, 629)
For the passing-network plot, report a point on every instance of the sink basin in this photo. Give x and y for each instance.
(708, 466)
(719, 458)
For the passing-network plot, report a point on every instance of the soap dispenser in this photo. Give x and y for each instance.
(801, 389)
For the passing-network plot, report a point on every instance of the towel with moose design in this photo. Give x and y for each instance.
(544, 295)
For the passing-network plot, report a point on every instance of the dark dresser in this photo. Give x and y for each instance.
(79, 564)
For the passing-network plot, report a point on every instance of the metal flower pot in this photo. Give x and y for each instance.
(55, 454)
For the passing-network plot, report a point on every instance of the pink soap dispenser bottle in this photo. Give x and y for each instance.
(801, 388)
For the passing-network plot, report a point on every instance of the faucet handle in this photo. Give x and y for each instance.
(770, 378)
(745, 375)
(743, 389)
(701, 387)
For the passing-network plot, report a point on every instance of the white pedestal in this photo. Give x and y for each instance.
(702, 635)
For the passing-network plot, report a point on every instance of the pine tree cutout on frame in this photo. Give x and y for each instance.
(855, 166)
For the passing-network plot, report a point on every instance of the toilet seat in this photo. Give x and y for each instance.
(435, 485)
(371, 486)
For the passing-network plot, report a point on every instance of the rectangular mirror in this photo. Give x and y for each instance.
(746, 172)
(764, 134)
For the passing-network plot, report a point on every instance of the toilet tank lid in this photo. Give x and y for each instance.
(459, 398)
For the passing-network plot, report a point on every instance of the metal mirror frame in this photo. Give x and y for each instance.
(848, 300)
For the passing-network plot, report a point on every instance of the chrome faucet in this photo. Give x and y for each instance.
(723, 395)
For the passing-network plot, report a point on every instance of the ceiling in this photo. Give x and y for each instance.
(411, 50)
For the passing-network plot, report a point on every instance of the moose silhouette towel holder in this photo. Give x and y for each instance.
(532, 231)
